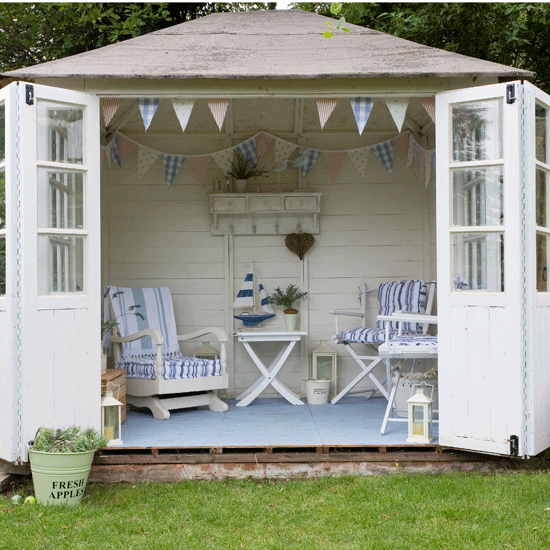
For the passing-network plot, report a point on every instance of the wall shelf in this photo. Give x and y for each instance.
(264, 213)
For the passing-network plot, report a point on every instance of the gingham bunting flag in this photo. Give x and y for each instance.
(114, 150)
(263, 141)
(223, 159)
(429, 104)
(172, 164)
(110, 107)
(247, 149)
(362, 106)
(148, 108)
(398, 110)
(360, 158)
(310, 157)
(402, 141)
(384, 153)
(146, 158)
(218, 108)
(125, 145)
(199, 165)
(283, 149)
(325, 106)
(333, 162)
(428, 167)
(183, 108)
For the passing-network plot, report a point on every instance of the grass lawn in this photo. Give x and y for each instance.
(421, 511)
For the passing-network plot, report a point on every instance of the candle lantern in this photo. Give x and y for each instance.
(323, 365)
(207, 352)
(419, 407)
(111, 414)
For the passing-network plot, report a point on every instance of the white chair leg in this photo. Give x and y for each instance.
(216, 404)
(390, 405)
(153, 403)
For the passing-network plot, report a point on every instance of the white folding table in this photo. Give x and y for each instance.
(269, 374)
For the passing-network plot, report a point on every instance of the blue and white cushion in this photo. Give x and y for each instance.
(413, 341)
(173, 369)
(364, 335)
(402, 296)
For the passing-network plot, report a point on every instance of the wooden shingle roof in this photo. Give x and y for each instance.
(266, 45)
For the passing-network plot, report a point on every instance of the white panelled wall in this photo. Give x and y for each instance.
(374, 228)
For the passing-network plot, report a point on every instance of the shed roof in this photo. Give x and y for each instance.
(266, 45)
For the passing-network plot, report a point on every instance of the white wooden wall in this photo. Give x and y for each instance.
(373, 229)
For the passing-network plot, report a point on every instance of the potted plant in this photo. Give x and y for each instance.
(61, 460)
(286, 298)
(242, 169)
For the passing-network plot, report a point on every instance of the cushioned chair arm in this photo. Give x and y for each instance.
(155, 335)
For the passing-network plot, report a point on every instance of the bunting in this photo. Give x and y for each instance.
(146, 159)
(223, 159)
(148, 108)
(398, 110)
(110, 107)
(325, 106)
(172, 164)
(384, 153)
(308, 157)
(200, 166)
(402, 141)
(114, 150)
(283, 149)
(183, 108)
(333, 163)
(360, 158)
(218, 108)
(428, 168)
(247, 149)
(125, 145)
(362, 106)
(429, 104)
(263, 141)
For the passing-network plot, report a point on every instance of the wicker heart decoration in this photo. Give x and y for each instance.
(299, 243)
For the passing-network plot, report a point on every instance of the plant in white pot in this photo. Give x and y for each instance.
(61, 460)
(242, 169)
(286, 298)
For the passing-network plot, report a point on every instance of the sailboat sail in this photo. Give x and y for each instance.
(245, 296)
(245, 300)
(266, 306)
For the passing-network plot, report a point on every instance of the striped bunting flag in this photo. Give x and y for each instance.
(110, 107)
(283, 149)
(384, 153)
(360, 158)
(223, 159)
(247, 149)
(146, 158)
(398, 110)
(172, 164)
(125, 145)
(200, 165)
(218, 108)
(263, 141)
(333, 162)
(429, 104)
(114, 150)
(148, 108)
(183, 108)
(325, 106)
(362, 106)
(306, 160)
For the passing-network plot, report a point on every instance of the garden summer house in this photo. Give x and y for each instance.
(159, 118)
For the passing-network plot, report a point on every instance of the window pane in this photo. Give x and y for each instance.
(2, 265)
(2, 132)
(477, 131)
(541, 204)
(478, 261)
(541, 133)
(60, 199)
(60, 264)
(542, 263)
(60, 133)
(478, 197)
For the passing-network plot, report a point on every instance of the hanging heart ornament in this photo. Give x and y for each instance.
(299, 243)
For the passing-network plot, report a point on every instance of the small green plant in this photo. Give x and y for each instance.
(67, 440)
(287, 297)
(242, 168)
(110, 324)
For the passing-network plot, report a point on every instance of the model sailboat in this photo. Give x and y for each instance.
(252, 291)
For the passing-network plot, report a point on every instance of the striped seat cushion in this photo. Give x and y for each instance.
(413, 341)
(402, 296)
(366, 335)
(173, 368)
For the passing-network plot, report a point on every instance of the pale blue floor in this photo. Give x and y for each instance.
(353, 420)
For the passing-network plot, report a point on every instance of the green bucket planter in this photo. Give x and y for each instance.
(60, 478)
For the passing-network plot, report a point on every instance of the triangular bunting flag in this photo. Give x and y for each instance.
(428, 167)
(410, 154)
(200, 165)
(247, 149)
(384, 153)
(333, 162)
(398, 109)
(218, 108)
(125, 145)
(421, 164)
(223, 159)
(325, 106)
(360, 158)
(183, 108)
(263, 141)
(306, 160)
(362, 106)
(148, 108)
(283, 149)
(402, 141)
(114, 150)
(146, 158)
(172, 164)
(110, 107)
(429, 104)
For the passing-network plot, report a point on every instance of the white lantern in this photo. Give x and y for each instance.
(419, 407)
(323, 365)
(111, 414)
(207, 352)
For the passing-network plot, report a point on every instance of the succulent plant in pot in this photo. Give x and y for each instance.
(242, 169)
(286, 299)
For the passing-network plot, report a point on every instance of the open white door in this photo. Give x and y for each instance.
(52, 241)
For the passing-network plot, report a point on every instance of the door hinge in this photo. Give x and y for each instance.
(511, 93)
(29, 94)
(514, 445)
